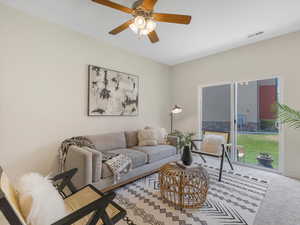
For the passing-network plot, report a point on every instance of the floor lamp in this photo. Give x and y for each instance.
(175, 110)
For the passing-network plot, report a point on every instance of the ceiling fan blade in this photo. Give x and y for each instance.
(122, 27)
(172, 18)
(153, 37)
(114, 5)
(149, 4)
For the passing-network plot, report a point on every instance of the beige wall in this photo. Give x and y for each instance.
(43, 90)
(279, 56)
(43, 87)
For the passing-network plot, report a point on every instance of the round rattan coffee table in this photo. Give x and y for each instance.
(184, 187)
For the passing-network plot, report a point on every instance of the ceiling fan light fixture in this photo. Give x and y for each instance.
(142, 26)
(144, 18)
(144, 32)
(151, 25)
(134, 28)
(140, 22)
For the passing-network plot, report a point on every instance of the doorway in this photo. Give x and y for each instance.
(247, 111)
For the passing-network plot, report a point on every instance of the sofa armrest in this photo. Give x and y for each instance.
(174, 141)
(97, 164)
(82, 160)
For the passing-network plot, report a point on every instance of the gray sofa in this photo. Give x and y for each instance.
(145, 159)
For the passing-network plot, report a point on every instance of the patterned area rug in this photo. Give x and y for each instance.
(235, 200)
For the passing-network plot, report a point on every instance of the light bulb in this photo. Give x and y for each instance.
(144, 32)
(140, 22)
(151, 25)
(134, 28)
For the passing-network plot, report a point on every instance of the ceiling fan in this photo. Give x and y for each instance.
(143, 22)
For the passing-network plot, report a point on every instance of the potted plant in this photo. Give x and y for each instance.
(184, 143)
(265, 159)
(289, 116)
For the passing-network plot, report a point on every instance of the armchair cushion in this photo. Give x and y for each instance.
(34, 191)
(213, 144)
(84, 197)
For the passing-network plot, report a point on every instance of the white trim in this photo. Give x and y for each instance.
(234, 121)
(281, 164)
(199, 109)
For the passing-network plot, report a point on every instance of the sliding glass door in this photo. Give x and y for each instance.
(247, 112)
(217, 109)
(257, 130)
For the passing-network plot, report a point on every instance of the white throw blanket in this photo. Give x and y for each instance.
(119, 165)
(213, 143)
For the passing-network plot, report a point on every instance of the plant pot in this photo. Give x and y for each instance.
(264, 160)
(186, 156)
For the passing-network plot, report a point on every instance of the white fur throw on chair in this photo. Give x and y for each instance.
(39, 201)
(213, 144)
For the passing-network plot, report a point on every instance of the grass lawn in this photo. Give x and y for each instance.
(256, 143)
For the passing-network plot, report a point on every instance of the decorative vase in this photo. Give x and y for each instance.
(186, 157)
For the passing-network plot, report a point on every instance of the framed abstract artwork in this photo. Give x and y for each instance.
(112, 93)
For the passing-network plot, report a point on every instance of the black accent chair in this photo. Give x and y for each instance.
(88, 205)
(203, 152)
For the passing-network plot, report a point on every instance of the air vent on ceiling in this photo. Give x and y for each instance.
(256, 34)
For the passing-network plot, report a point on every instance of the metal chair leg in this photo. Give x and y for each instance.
(227, 156)
(222, 161)
(202, 157)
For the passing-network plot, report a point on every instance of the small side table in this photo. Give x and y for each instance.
(184, 187)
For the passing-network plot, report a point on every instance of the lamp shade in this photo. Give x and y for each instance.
(176, 109)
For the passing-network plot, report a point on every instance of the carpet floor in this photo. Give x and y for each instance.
(279, 206)
(235, 200)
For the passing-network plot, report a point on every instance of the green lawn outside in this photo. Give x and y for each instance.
(256, 143)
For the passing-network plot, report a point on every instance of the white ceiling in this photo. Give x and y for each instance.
(217, 25)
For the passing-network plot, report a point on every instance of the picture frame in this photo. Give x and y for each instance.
(112, 93)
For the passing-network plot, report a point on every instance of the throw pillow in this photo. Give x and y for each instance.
(39, 201)
(131, 138)
(147, 137)
(161, 135)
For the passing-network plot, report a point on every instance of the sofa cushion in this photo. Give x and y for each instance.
(158, 152)
(138, 159)
(131, 138)
(106, 142)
